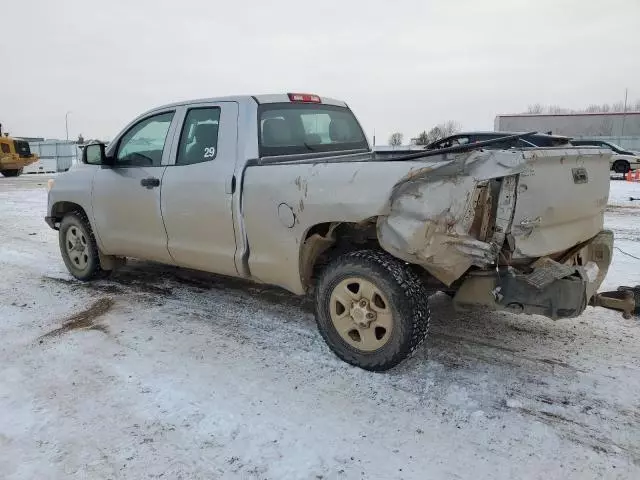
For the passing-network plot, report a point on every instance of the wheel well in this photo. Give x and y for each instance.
(325, 241)
(60, 209)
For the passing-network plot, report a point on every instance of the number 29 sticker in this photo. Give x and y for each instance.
(209, 152)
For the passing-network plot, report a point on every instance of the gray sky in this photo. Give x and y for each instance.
(402, 66)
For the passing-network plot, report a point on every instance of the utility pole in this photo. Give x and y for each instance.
(66, 123)
(624, 112)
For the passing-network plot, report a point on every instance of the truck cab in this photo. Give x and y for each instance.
(177, 170)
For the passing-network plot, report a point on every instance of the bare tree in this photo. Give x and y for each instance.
(592, 108)
(436, 133)
(595, 108)
(536, 108)
(396, 139)
(558, 110)
(422, 138)
(617, 107)
(449, 127)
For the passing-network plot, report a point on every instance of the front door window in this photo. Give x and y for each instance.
(143, 144)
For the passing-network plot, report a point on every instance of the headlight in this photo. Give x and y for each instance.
(50, 183)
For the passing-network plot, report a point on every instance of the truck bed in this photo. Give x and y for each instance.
(446, 212)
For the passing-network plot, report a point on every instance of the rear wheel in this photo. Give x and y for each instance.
(371, 309)
(79, 248)
(11, 173)
(621, 166)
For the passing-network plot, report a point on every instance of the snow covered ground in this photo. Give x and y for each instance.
(165, 373)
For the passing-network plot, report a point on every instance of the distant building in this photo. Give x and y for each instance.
(621, 128)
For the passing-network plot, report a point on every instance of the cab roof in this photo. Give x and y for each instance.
(259, 99)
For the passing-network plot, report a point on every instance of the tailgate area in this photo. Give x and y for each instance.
(561, 198)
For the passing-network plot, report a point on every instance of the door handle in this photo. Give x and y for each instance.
(150, 182)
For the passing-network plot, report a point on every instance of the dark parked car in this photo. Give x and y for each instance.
(525, 141)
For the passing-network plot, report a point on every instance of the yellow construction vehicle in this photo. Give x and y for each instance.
(14, 155)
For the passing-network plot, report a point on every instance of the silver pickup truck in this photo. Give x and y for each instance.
(284, 190)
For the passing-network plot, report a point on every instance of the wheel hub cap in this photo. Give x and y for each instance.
(361, 314)
(77, 247)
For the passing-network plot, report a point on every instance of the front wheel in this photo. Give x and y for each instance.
(79, 248)
(371, 309)
(11, 173)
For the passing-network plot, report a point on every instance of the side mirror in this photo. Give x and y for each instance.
(93, 154)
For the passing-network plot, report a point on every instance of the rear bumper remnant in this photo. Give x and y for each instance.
(550, 288)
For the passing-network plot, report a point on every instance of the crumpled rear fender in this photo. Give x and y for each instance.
(453, 216)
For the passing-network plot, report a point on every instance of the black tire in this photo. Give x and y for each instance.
(621, 166)
(407, 298)
(78, 220)
(11, 173)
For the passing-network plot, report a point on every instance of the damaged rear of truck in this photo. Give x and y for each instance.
(514, 230)
(518, 230)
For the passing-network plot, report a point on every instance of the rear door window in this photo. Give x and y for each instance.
(199, 137)
(290, 128)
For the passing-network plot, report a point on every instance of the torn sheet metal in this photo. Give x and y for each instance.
(432, 213)
(546, 271)
(542, 208)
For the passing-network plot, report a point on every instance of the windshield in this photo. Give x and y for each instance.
(22, 148)
(541, 140)
(291, 128)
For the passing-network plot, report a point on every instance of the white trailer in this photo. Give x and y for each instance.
(55, 156)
